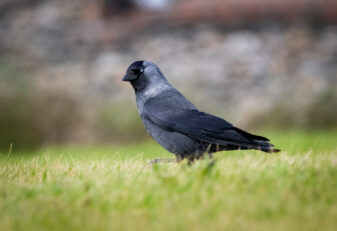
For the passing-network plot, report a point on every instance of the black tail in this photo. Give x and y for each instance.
(268, 150)
(261, 143)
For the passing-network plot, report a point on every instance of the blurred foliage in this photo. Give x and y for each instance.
(118, 122)
(30, 118)
(18, 125)
(320, 114)
(29, 121)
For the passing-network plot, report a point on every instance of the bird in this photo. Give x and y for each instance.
(177, 125)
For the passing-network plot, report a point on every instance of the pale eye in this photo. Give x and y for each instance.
(141, 70)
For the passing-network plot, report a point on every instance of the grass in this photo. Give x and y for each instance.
(111, 188)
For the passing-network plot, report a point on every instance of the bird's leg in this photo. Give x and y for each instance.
(156, 161)
(191, 160)
(201, 155)
(210, 155)
(179, 158)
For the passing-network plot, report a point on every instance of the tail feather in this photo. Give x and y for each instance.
(268, 150)
(262, 143)
(250, 136)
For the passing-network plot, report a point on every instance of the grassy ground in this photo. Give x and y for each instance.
(111, 188)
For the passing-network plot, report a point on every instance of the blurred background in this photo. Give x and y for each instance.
(261, 64)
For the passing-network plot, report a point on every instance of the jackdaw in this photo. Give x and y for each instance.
(177, 125)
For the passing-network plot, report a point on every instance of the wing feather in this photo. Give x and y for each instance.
(202, 126)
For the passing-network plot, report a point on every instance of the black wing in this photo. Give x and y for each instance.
(203, 126)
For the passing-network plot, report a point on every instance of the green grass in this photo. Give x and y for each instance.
(111, 188)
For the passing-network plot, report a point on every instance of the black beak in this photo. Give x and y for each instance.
(126, 78)
(130, 76)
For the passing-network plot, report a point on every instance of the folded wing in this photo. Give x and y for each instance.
(204, 127)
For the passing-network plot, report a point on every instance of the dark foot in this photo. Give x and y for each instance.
(201, 156)
(179, 158)
(191, 160)
(156, 161)
(210, 155)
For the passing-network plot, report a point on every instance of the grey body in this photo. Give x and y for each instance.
(172, 141)
(176, 124)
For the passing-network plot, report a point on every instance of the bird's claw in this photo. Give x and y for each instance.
(156, 161)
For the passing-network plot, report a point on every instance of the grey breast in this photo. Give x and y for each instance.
(172, 141)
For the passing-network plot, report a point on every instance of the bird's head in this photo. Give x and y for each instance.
(144, 74)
